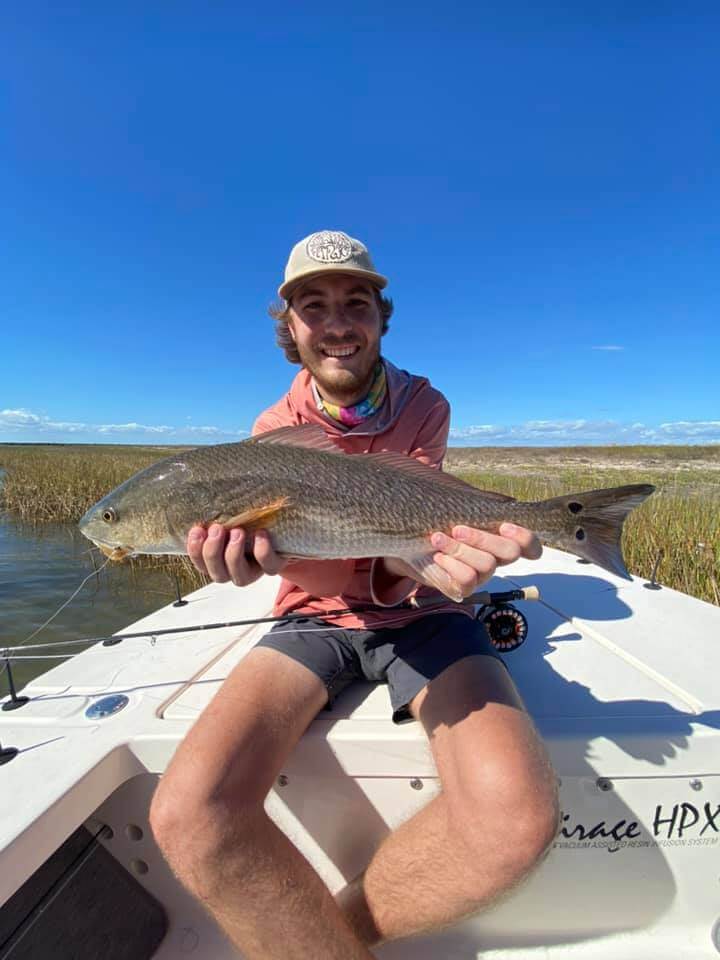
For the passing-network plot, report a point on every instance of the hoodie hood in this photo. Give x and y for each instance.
(401, 388)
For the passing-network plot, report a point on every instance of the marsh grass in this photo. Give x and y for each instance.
(47, 483)
(679, 525)
(58, 483)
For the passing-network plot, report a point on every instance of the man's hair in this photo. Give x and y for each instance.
(280, 313)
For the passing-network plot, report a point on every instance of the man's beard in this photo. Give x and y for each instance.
(345, 386)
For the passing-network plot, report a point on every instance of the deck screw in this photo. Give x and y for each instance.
(282, 780)
(416, 784)
(696, 784)
(603, 784)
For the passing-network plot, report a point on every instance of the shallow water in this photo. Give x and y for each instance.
(40, 567)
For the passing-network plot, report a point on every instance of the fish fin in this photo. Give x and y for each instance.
(309, 435)
(433, 575)
(594, 530)
(255, 517)
(411, 465)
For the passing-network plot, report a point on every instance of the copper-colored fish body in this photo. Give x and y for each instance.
(317, 501)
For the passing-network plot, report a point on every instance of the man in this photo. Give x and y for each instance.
(453, 857)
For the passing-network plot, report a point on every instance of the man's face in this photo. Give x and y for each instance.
(335, 322)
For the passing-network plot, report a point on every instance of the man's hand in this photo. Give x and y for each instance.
(471, 556)
(235, 557)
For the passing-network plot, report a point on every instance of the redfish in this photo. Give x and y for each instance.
(318, 502)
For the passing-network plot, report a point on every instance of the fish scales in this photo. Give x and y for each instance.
(362, 504)
(336, 505)
(318, 502)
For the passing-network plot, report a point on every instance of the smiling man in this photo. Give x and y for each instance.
(452, 858)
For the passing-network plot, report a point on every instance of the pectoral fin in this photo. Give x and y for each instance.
(255, 518)
(433, 575)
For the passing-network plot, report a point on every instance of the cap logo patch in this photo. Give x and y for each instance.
(329, 246)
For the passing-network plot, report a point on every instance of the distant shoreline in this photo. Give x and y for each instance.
(711, 449)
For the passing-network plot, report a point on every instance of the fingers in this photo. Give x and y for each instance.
(241, 567)
(471, 541)
(468, 566)
(265, 555)
(196, 539)
(224, 556)
(214, 553)
(530, 546)
(471, 556)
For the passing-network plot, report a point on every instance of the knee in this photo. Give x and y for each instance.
(508, 830)
(194, 829)
(178, 819)
(533, 826)
(170, 817)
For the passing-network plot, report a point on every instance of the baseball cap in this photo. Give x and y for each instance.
(328, 251)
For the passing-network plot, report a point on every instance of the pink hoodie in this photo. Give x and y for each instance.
(414, 420)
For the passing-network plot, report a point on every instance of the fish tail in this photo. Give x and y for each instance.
(593, 523)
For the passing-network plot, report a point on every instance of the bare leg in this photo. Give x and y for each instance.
(208, 818)
(494, 820)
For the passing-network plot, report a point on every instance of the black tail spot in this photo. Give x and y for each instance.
(579, 534)
(574, 506)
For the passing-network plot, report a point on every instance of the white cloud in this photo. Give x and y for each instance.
(132, 428)
(19, 418)
(692, 428)
(210, 431)
(609, 346)
(24, 425)
(481, 430)
(581, 432)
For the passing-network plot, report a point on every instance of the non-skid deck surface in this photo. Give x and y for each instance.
(81, 905)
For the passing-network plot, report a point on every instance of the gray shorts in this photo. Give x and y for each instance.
(406, 658)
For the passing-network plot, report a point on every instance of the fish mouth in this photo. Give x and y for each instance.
(111, 551)
(114, 553)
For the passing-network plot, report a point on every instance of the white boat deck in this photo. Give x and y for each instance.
(621, 681)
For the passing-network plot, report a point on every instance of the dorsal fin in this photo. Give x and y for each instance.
(412, 466)
(313, 437)
(308, 435)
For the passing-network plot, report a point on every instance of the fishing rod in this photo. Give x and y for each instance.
(483, 598)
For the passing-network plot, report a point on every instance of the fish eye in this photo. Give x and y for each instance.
(109, 515)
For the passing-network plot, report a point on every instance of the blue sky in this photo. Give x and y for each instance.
(541, 183)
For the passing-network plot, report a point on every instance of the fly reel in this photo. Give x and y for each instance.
(506, 626)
